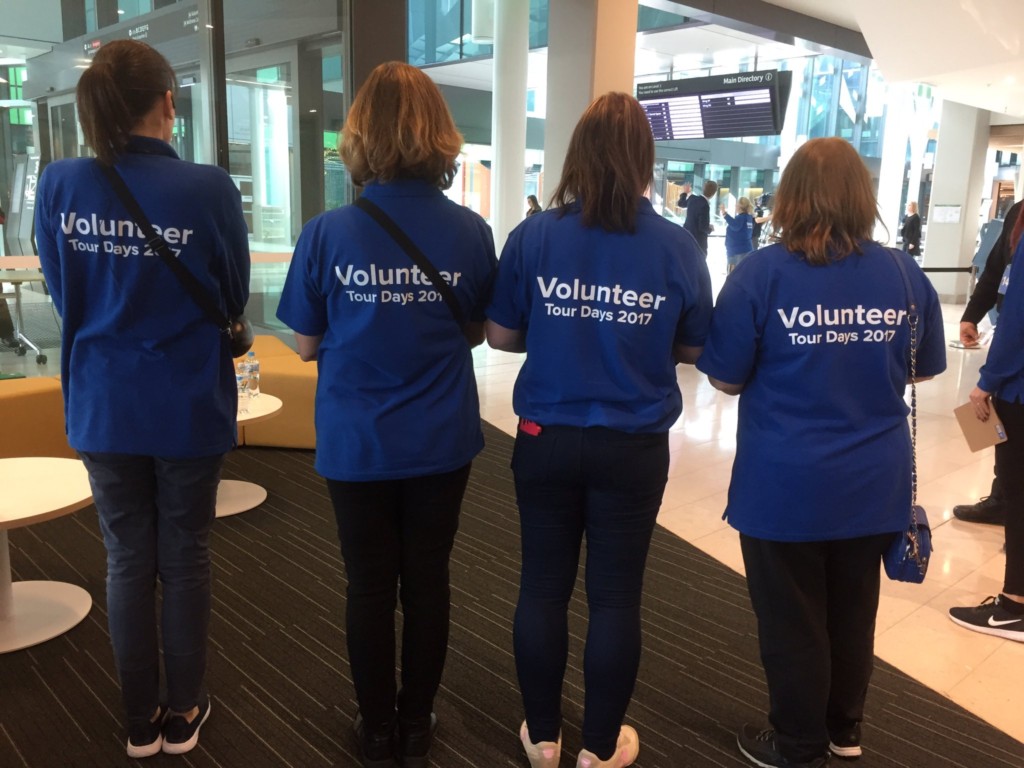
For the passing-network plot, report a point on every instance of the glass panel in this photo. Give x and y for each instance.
(260, 150)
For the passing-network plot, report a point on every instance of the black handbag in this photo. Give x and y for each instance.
(238, 328)
(906, 558)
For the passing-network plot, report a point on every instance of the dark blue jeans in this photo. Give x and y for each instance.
(607, 485)
(397, 532)
(156, 515)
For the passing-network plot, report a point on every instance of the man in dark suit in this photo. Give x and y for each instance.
(991, 509)
(698, 215)
(685, 194)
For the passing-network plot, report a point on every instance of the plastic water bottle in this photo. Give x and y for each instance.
(253, 367)
(242, 382)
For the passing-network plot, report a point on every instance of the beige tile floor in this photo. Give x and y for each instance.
(981, 673)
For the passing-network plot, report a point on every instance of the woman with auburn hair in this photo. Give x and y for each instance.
(605, 297)
(814, 336)
(397, 413)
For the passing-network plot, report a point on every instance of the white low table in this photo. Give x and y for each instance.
(235, 496)
(33, 490)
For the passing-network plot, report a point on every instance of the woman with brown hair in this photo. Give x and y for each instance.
(605, 297)
(129, 322)
(397, 414)
(814, 335)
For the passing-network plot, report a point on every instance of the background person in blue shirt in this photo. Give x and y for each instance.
(131, 335)
(1001, 385)
(605, 297)
(397, 414)
(739, 231)
(814, 334)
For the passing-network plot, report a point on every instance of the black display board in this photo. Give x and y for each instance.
(719, 107)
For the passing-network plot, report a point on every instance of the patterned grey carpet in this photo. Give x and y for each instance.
(279, 678)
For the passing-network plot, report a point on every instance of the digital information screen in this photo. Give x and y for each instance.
(721, 107)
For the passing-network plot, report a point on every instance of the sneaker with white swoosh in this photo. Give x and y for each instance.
(991, 618)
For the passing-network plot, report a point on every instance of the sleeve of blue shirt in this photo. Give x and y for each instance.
(695, 321)
(303, 307)
(731, 347)
(510, 306)
(46, 244)
(1006, 355)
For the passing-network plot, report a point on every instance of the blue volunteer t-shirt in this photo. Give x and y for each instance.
(144, 370)
(739, 233)
(823, 444)
(601, 312)
(1003, 372)
(396, 395)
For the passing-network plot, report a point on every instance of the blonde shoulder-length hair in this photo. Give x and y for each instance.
(825, 203)
(399, 127)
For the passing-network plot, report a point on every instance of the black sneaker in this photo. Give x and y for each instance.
(846, 743)
(181, 736)
(989, 510)
(759, 747)
(414, 740)
(376, 747)
(145, 739)
(990, 618)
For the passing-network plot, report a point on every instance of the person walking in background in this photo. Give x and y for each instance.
(698, 215)
(987, 294)
(397, 412)
(128, 322)
(532, 205)
(911, 230)
(821, 481)
(595, 401)
(1001, 387)
(739, 232)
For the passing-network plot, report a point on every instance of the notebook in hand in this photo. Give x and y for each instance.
(979, 434)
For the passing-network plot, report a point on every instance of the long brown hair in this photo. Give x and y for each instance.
(825, 202)
(609, 163)
(123, 83)
(399, 126)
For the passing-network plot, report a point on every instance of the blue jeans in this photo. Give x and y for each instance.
(156, 516)
(608, 485)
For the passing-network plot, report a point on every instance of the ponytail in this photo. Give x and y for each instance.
(126, 79)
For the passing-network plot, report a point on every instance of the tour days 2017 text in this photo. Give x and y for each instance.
(811, 325)
(640, 306)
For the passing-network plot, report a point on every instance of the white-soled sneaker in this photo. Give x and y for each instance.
(990, 618)
(626, 751)
(543, 754)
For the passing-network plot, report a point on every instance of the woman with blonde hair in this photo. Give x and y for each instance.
(739, 231)
(397, 413)
(815, 336)
(605, 297)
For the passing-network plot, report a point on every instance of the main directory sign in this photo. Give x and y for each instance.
(718, 107)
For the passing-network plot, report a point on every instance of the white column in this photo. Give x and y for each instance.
(898, 120)
(591, 50)
(957, 181)
(508, 116)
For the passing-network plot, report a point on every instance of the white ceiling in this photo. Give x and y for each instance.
(971, 50)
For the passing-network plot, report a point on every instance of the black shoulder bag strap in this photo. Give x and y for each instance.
(156, 244)
(421, 261)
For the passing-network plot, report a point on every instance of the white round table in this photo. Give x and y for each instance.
(36, 489)
(234, 496)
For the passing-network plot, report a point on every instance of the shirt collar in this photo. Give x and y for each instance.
(400, 188)
(144, 145)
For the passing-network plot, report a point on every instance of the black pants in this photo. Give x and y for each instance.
(6, 323)
(1009, 461)
(815, 604)
(397, 532)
